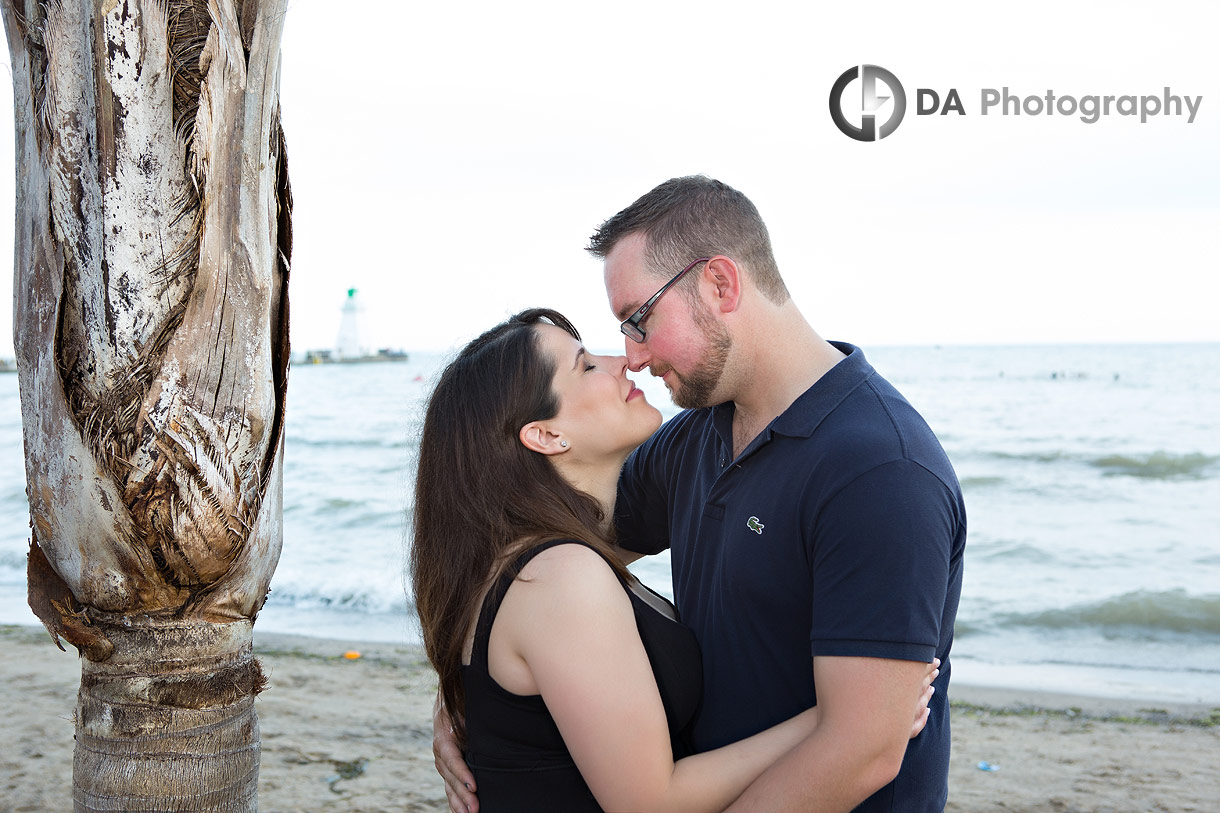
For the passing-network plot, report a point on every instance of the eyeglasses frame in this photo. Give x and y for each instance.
(630, 327)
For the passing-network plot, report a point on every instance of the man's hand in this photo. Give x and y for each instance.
(459, 781)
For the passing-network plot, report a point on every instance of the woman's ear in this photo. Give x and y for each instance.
(538, 437)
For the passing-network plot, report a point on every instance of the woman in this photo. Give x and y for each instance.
(575, 683)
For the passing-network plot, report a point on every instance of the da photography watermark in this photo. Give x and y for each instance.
(882, 104)
(1089, 109)
(845, 114)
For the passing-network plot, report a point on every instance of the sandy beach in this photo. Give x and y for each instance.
(355, 735)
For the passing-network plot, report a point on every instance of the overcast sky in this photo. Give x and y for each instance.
(450, 161)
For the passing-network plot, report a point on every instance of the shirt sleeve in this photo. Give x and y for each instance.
(880, 562)
(641, 512)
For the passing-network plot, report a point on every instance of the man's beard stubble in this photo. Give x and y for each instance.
(696, 387)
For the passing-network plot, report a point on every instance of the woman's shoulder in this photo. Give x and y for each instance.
(565, 560)
(572, 579)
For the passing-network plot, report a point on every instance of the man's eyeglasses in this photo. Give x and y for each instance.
(631, 325)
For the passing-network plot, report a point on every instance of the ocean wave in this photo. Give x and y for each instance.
(338, 504)
(1017, 551)
(363, 599)
(310, 514)
(391, 442)
(1159, 465)
(969, 483)
(963, 628)
(1142, 666)
(1141, 611)
(1033, 457)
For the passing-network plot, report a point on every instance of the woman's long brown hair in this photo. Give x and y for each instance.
(479, 491)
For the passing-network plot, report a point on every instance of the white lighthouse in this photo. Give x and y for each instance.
(347, 344)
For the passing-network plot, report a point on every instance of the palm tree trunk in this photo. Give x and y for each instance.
(167, 722)
(151, 329)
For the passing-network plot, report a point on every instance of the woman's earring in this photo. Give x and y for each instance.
(563, 443)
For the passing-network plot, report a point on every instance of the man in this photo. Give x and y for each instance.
(815, 525)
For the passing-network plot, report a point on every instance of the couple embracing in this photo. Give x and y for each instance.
(815, 529)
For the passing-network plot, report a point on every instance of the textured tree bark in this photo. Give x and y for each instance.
(151, 330)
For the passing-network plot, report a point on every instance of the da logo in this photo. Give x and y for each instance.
(870, 103)
(754, 525)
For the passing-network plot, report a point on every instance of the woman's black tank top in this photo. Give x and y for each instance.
(513, 747)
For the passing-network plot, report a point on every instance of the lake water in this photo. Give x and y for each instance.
(1091, 476)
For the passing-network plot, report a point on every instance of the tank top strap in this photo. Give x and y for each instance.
(491, 603)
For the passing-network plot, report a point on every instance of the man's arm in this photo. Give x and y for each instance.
(641, 511)
(857, 749)
(880, 564)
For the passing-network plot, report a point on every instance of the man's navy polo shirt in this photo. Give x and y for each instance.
(838, 531)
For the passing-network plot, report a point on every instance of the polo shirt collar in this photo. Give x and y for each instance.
(812, 406)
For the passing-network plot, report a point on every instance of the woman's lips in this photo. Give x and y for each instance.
(634, 392)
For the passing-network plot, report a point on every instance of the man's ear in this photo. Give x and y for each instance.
(725, 278)
(537, 436)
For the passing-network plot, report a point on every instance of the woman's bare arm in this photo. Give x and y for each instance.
(571, 622)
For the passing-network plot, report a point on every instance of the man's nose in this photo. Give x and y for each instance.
(637, 354)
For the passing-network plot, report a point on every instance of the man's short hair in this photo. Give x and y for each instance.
(691, 217)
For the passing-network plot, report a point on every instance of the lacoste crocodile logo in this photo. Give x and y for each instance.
(754, 525)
